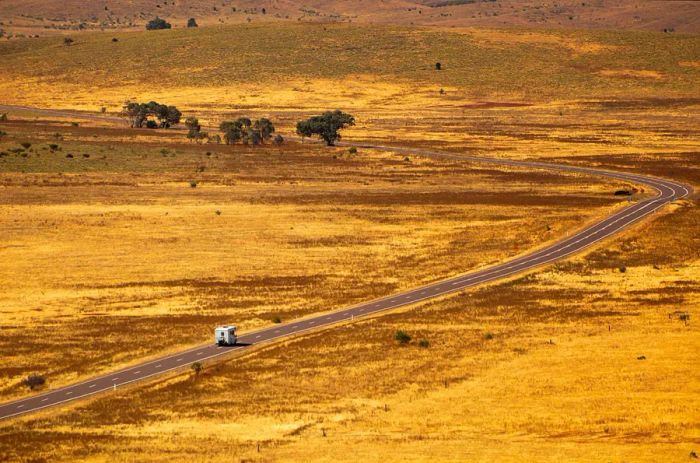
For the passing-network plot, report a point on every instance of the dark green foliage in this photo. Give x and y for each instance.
(3, 117)
(247, 131)
(191, 22)
(424, 343)
(279, 139)
(488, 336)
(26, 145)
(402, 337)
(264, 128)
(33, 381)
(193, 184)
(54, 147)
(139, 114)
(67, 41)
(438, 66)
(197, 368)
(276, 319)
(158, 23)
(326, 126)
(352, 150)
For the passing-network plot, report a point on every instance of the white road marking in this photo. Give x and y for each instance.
(157, 366)
(20, 405)
(44, 400)
(137, 372)
(256, 337)
(114, 379)
(92, 385)
(69, 392)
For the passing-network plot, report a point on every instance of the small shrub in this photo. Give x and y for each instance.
(33, 381)
(2, 133)
(3, 117)
(424, 343)
(352, 150)
(623, 269)
(402, 337)
(279, 139)
(103, 110)
(68, 41)
(85, 155)
(26, 145)
(115, 40)
(438, 66)
(74, 124)
(54, 147)
(218, 212)
(276, 319)
(196, 368)
(488, 336)
(193, 184)
(157, 24)
(191, 22)
(69, 156)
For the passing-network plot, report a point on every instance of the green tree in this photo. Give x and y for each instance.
(158, 23)
(265, 128)
(326, 126)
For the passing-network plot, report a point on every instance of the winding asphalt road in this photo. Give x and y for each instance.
(667, 191)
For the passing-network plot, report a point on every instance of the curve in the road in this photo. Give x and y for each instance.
(667, 191)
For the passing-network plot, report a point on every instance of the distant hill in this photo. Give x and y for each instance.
(46, 16)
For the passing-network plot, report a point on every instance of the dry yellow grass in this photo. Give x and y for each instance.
(559, 379)
(134, 262)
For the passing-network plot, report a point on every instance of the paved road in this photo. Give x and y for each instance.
(667, 191)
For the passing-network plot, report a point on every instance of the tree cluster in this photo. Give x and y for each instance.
(141, 113)
(326, 126)
(194, 130)
(158, 23)
(246, 131)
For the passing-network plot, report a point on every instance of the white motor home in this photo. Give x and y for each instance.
(225, 335)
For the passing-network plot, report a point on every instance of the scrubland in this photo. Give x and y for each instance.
(118, 255)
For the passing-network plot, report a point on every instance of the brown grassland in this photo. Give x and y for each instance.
(113, 251)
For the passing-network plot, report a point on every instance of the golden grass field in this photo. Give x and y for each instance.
(122, 259)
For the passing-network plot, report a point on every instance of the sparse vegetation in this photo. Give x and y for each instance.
(402, 337)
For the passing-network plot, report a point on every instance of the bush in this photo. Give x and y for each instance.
(74, 124)
(157, 24)
(67, 41)
(352, 150)
(54, 147)
(193, 184)
(424, 343)
(26, 145)
(279, 139)
(34, 380)
(488, 336)
(276, 319)
(115, 40)
(191, 22)
(197, 368)
(402, 337)
(151, 125)
(623, 269)
(3, 117)
(438, 66)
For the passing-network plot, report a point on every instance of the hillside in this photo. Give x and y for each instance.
(31, 17)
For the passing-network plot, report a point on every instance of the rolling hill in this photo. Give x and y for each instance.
(31, 17)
